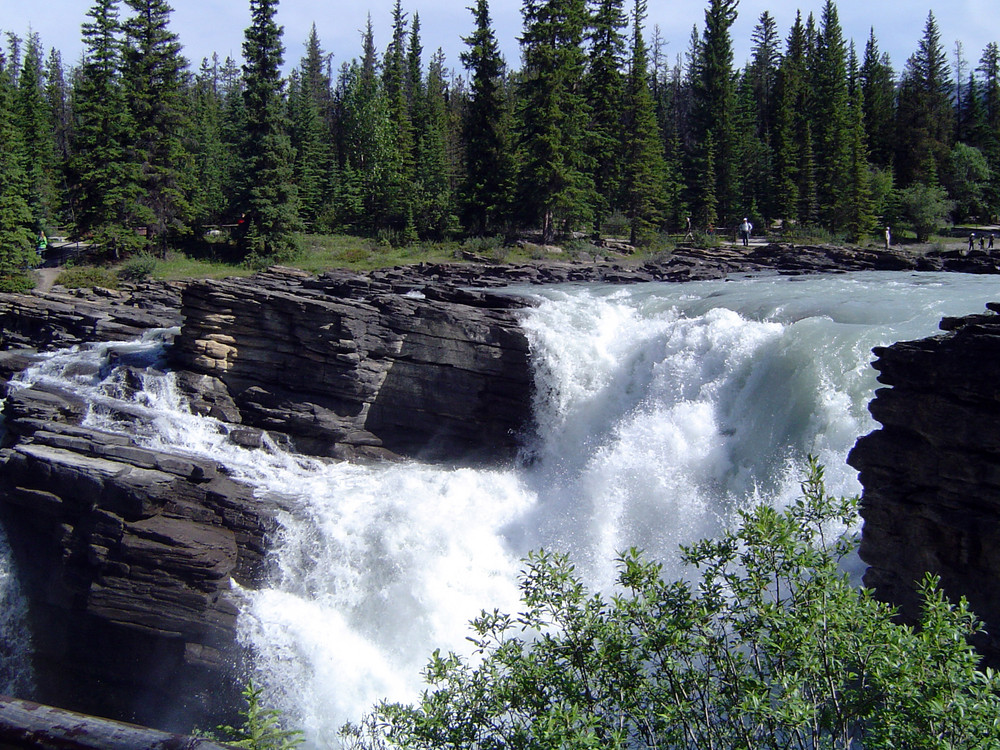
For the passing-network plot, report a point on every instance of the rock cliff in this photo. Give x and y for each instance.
(346, 365)
(931, 474)
(126, 556)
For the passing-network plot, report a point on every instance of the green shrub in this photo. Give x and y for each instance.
(768, 646)
(16, 282)
(138, 268)
(87, 276)
(261, 728)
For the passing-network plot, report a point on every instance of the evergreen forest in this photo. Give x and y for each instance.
(596, 131)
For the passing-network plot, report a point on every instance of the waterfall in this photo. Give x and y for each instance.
(661, 410)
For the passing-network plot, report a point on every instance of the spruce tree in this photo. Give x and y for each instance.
(859, 214)
(714, 111)
(605, 98)
(435, 215)
(314, 168)
(213, 158)
(269, 195)
(644, 168)
(759, 93)
(989, 70)
(154, 74)
(878, 88)
(397, 204)
(106, 181)
(16, 252)
(790, 126)
(486, 128)
(364, 142)
(34, 119)
(924, 117)
(555, 179)
(831, 118)
(57, 94)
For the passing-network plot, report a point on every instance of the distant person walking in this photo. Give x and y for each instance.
(745, 228)
(41, 244)
(689, 235)
(991, 241)
(888, 238)
(972, 240)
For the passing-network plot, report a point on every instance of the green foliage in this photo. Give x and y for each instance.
(968, 179)
(556, 181)
(486, 126)
(925, 207)
(268, 192)
(80, 277)
(16, 282)
(117, 241)
(769, 646)
(138, 268)
(261, 728)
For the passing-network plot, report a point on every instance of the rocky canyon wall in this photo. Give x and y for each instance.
(931, 474)
(127, 555)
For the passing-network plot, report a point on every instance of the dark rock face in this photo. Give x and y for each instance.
(65, 318)
(931, 474)
(126, 556)
(348, 366)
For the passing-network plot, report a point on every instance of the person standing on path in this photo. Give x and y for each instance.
(888, 238)
(745, 228)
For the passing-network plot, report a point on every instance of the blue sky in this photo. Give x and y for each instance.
(207, 26)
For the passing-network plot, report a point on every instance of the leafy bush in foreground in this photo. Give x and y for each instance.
(770, 647)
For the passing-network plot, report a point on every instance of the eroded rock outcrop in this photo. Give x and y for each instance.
(63, 317)
(349, 365)
(126, 556)
(931, 474)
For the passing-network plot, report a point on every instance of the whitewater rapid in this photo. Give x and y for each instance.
(660, 410)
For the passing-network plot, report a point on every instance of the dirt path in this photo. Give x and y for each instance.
(46, 278)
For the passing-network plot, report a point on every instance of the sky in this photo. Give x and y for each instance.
(216, 26)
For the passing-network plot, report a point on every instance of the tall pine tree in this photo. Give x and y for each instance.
(644, 168)
(34, 118)
(555, 179)
(154, 74)
(269, 197)
(831, 118)
(487, 192)
(713, 115)
(106, 183)
(16, 253)
(924, 124)
(605, 96)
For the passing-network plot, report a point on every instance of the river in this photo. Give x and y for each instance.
(661, 409)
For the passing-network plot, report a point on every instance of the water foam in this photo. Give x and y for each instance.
(661, 409)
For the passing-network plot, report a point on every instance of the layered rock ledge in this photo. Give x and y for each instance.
(347, 366)
(931, 474)
(126, 556)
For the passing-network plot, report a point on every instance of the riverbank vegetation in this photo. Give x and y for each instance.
(596, 132)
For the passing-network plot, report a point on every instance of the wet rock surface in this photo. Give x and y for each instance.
(126, 556)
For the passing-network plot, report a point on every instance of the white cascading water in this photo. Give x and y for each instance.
(661, 409)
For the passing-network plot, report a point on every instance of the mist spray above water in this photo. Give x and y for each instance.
(660, 411)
